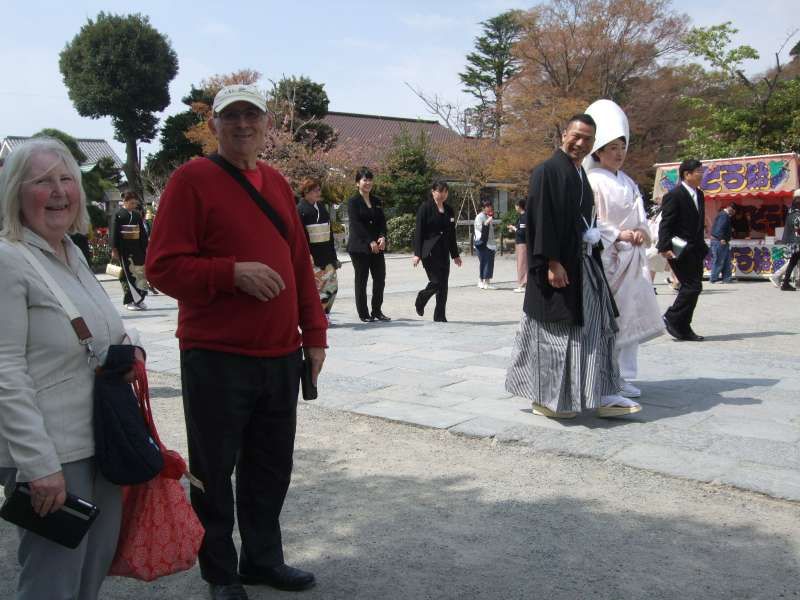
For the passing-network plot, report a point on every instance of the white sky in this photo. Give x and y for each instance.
(362, 51)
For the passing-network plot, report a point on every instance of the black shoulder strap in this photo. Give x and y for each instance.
(248, 187)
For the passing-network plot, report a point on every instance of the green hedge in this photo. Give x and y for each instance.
(401, 232)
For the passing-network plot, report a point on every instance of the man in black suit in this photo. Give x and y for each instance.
(683, 220)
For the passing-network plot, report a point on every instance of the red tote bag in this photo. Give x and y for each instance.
(160, 532)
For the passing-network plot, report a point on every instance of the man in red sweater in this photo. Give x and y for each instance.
(247, 303)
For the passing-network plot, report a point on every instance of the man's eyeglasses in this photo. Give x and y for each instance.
(251, 115)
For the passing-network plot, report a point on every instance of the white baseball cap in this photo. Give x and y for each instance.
(239, 93)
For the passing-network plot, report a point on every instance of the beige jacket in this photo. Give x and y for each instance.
(45, 380)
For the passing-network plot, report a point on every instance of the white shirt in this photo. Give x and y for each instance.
(693, 194)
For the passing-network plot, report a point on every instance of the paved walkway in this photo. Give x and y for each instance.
(725, 410)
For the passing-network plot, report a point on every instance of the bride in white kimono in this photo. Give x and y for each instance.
(626, 235)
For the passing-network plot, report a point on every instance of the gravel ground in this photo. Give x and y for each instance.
(383, 510)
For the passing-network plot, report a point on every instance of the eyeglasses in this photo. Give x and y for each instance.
(251, 115)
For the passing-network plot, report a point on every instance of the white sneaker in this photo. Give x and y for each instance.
(629, 390)
(487, 285)
(140, 306)
(776, 281)
(518, 290)
(482, 284)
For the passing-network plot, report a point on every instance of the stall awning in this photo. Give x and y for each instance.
(771, 176)
(775, 195)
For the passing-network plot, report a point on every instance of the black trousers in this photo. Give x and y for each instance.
(792, 264)
(241, 412)
(437, 267)
(365, 265)
(689, 270)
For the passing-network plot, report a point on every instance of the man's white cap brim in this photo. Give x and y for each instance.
(239, 93)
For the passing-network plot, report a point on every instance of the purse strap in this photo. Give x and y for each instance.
(79, 326)
(251, 190)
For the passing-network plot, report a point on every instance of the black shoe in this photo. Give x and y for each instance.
(440, 320)
(367, 319)
(230, 591)
(282, 577)
(788, 287)
(380, 317)
(420, 309)
(693, 337)
(672, 331)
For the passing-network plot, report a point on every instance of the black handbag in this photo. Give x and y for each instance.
(124, 449)
(67, 526)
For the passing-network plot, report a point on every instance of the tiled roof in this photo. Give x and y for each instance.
(94, 149)
(375, 133)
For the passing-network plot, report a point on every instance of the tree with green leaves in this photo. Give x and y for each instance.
(740, 114)
(299, 105)
(407, 172)
(120, 67)
(176, 148)
(490, 68)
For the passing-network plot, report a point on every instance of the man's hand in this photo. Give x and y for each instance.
(48, 494)
(258, 280)
(556, 275)
(317, 357)
(669, 255)
(373, 247)
(381, 244)
(115, 254)
(458, 261)
(415, 260)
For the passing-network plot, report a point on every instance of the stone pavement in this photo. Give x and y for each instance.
(723, 411)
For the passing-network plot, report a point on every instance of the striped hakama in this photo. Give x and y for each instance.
(567, 367)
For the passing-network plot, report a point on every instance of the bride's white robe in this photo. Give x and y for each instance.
(619, 207)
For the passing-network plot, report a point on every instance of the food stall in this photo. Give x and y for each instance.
(761, 187)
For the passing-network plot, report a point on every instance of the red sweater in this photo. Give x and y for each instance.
(206, 222)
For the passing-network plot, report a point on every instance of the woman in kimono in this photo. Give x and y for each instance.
(625, 236)
(317, 221)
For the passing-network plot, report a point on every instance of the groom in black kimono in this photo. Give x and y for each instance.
(563, 358)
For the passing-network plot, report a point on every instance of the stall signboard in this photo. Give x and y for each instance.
(761, 187)
(750, 176)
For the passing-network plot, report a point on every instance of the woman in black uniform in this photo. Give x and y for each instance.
(434, 244)
(366, 244)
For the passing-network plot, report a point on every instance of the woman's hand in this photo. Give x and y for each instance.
(512, 228)
(415, 260)
(48, 494)
(638, 238)
(457, 260)
(373, 247)
(626, 235)
(381, 244)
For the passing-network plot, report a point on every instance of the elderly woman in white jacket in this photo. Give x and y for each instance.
(46, 381)
(626, 235)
